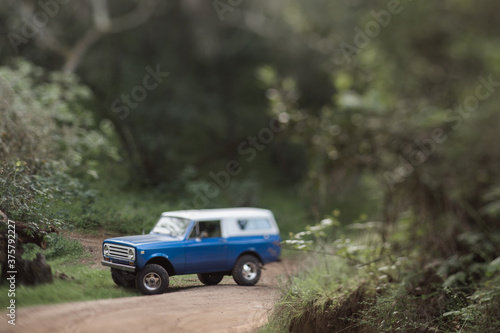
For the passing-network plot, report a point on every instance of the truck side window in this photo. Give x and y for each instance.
(254, 224)
(206, 229)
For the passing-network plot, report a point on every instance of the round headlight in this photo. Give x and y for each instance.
(131, 254)
(106, 250)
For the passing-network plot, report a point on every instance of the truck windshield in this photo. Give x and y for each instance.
(173, 226)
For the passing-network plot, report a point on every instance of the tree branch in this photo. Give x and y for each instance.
(139, 16)
(101, 15)
(102, 24)
(75, 55)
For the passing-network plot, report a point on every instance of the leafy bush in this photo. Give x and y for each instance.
(48, 137)
(60, 247)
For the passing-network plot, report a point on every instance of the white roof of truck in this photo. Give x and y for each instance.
(229, 218)
(220, 213)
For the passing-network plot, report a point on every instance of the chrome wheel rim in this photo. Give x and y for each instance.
(249, 271)
(151, 281)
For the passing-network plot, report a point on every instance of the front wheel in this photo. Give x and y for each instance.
(152, 280)
(210, 279)
(246, 271)
(122, 279)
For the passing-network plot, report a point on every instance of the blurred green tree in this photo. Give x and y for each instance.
(47, 138)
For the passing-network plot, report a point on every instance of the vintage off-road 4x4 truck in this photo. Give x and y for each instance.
(211, 243)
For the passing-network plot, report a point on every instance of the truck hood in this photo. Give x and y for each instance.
(143, 239)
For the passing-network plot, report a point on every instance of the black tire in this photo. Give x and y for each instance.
(121, 279)
(152, 280)
(210, 279)
(246, 271)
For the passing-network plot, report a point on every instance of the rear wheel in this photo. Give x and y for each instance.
(152, 280)
(210, 279)
(246, 271)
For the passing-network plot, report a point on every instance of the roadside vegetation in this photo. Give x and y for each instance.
(356, 280)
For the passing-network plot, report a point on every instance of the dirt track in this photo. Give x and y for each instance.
(226, 307)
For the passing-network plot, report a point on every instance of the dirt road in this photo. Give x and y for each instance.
(226, 307)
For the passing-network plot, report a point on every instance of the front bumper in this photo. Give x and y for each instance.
(118, 266)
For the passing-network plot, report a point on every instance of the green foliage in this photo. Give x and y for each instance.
(61, 247)
(492, 199)
(339, 278)
(120, 210)
(304, 240)
(48, 137)
(22, 197)
(482, 310)
(45, 120)
(320, 285)
(493, 267)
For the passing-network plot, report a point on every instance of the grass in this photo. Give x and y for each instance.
(88, 284)
(335, 287)
(322, 286)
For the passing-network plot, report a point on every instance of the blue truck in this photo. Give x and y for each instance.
(211, 243)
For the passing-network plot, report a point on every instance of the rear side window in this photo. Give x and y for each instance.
(254, 224)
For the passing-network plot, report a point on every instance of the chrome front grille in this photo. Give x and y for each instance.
(120, 252)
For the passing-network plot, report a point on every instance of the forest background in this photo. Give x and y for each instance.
(380, 116)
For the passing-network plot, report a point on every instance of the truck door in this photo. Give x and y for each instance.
(206, 250)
